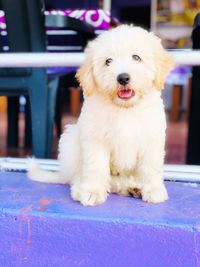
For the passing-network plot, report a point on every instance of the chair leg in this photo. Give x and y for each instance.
(58, 114)
(176, 102)
(28, 132)
(13, 123)
(75, 100)
(52, 92)
(38, 101)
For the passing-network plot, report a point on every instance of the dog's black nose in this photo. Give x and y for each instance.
(123, 78)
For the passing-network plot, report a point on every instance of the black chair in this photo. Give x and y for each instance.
(27, 17)
(69, 35)
(26, 33)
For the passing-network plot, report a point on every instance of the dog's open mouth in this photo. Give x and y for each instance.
(125, 93)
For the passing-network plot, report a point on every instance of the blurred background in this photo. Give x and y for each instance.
(67, 26)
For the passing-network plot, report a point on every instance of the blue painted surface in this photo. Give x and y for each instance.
(41, 226)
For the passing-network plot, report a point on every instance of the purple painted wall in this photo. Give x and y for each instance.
(41, 226)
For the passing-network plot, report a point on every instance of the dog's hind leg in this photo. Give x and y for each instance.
(69, 153)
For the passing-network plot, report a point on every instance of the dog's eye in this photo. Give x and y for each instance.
(136, 58)
(108, 61)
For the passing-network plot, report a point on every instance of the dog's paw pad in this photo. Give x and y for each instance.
(155, 195)
(135, 192)
(88, 196)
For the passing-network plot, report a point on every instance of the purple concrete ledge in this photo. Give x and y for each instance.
(41, 226)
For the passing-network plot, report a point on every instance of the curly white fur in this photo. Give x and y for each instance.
(118, 143)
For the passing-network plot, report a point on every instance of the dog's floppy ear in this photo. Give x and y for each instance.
(164, 64)
(85, 74)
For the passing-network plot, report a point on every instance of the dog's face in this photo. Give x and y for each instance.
(123, 65)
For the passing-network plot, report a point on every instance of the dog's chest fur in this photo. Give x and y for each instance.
(125, 137)
(126, 133)
(123, 140)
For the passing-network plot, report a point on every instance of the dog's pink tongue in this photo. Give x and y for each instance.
(125, 94)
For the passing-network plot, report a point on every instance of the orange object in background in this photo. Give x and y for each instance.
(3, 104)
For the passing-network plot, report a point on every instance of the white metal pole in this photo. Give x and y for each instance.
(41, 59)
(181, 57)
(106, 5)
(153, 14)
(178, 173)
(186, 56)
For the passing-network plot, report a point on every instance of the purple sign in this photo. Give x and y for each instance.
(2, 20)
(99, 19)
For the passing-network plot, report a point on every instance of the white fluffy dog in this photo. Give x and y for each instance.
(118, 142)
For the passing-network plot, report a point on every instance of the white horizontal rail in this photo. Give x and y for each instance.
(41, 59)
(186, 57)
(181, 57)
(178, 173)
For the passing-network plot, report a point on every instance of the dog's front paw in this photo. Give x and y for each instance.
(88, 195)
(155, 194)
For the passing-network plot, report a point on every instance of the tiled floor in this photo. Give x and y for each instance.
(175, 141)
